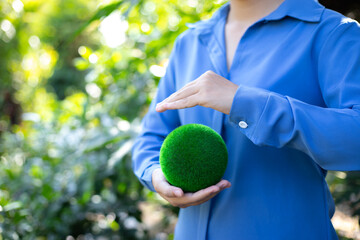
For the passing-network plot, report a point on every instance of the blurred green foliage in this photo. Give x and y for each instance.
(76, 77)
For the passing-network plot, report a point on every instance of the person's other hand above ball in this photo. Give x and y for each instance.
(209, 90)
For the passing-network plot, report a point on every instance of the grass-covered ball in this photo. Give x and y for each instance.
(193, 157)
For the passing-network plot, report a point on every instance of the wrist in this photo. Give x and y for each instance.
(155, 175)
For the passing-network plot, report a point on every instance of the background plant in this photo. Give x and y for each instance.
(76, 77)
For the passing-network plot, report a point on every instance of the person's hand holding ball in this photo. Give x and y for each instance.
(193, 159)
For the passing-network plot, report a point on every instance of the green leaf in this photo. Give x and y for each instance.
(13, 206)
(101, 142)
(102, 12)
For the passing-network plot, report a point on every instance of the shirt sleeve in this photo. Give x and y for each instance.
(154, 128)
(329, 135)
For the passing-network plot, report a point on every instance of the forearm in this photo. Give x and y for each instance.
(145, 156)
(146, 149)
(329, 136)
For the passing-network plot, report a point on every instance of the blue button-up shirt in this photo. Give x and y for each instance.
(295, 115)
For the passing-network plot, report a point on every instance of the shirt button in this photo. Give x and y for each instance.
(243, 124)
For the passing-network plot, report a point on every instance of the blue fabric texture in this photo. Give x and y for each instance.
(298, 72)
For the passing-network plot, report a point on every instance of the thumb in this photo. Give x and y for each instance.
(163, 187)
(169, 191)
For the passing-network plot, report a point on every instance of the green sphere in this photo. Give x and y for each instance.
(193, 157)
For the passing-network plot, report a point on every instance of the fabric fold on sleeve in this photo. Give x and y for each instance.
(329, 136)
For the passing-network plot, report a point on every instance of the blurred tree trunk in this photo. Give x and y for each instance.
(349, 8)
(10, 110)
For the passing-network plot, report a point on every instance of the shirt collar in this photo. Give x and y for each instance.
(304, 10)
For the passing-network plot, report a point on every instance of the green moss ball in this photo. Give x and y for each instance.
(193, 157)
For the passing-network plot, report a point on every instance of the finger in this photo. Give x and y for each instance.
(223, 184)
(162, 106)
(190, 198)
(202, 200)
(187, 90)
(206, 192)
(188, 102)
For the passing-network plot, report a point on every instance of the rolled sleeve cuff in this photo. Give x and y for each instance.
(146, 178)
(247, 108)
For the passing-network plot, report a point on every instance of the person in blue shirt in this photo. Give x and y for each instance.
(280, 81)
